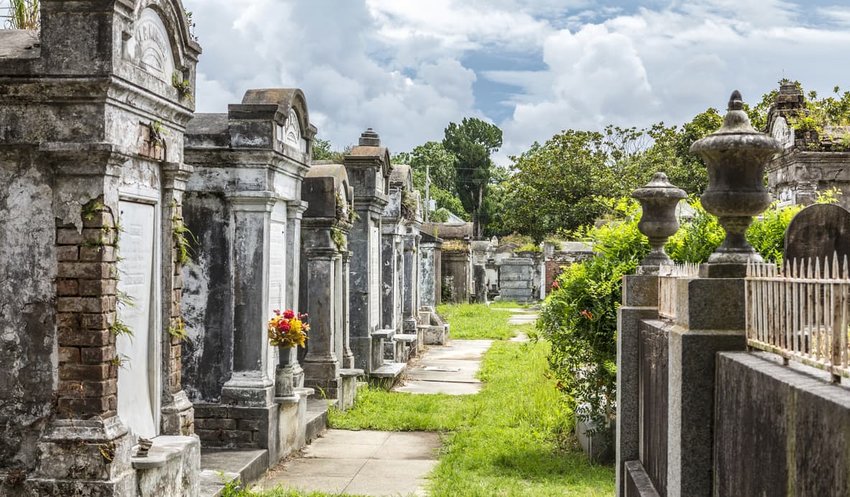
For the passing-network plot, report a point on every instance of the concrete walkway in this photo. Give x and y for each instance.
(373, 463)
(448, 369)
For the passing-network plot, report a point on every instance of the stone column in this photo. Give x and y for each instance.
(640, 301)
(178, 416)
(409, 310)
(321, 366)
(347, 354)
(295, 214)
(250, 385)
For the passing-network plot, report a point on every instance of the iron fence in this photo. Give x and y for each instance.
(801, 312)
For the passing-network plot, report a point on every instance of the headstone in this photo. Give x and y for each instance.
(818, 232)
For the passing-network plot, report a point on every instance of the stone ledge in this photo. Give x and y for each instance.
(385, 334)
(347, 373)
(163, 450)
(406, 338)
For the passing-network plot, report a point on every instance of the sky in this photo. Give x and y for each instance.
(533, 67)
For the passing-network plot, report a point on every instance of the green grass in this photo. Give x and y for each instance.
(511, 440)
(480, 322)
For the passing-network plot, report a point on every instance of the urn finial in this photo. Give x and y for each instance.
(736, 156)
(658, 199)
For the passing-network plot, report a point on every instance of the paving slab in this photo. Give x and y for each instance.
(361, 462)
(448, 369)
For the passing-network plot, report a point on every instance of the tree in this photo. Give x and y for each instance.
(322, 150)
(472, 143)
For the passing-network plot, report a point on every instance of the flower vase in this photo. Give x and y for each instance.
(283, 383)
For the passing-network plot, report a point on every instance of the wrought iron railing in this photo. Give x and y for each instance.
(801, 312)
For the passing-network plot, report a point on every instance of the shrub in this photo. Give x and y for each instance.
(579, 317)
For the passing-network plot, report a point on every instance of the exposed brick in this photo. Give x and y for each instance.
(96, 219)
(69, 354)
(66, 288)
(67, 253)
(76, 407)
(96, 288)
(97, 355)
(98, 236)
(215, 424)
(70, 337)
(68, 236)
(105, 253)
(249, 424)
(98, 304)
(98, 321)
(85, 372)
(87, 270)
(87, 389)
(68, 304)
(68, 320)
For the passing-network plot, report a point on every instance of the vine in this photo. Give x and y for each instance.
(408, 205)
(339, 239)
(183, 238)
(183, 86)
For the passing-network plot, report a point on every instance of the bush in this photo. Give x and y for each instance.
(579, 317)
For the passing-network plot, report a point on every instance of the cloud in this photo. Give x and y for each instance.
(666, 65)
(339, 60)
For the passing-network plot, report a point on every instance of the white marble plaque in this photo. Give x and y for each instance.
(151, 45)
(375, 274)
(139, 377)
(277, 280)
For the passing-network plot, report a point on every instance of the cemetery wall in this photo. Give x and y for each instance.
(779, 430)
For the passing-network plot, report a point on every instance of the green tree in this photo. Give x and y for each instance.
(323, 150)
(472, 143)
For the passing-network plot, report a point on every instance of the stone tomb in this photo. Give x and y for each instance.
(368, 167)
(517, 278)
(92, 203)
(328, 362)
(400, 228)
(435, 331)
(244, 207)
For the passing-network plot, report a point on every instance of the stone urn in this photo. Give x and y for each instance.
(658, 199)
(284, 381)
(736, 156)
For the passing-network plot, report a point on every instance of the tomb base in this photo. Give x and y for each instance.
(83, 457)
(178, 416)
(348, 388)
(171, 469)
(224, 426)
(248, 389)
(292, 421)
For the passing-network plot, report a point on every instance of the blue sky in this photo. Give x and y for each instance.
(534, 67)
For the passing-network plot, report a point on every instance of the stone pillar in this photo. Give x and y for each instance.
(178, 416)
(640, 301)
(410, 307)
(321, 365)
(250, 385)
(347, 354)
(368, 168)
(293, 289)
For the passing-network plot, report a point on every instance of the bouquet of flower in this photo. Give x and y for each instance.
(288, 329)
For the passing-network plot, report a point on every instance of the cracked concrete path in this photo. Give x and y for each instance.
(448, 369)
(374, 463)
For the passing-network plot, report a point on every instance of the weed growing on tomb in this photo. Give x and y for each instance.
(183, 240)
(25, 14)
(178, 329)
(182, 85)
(339, 239)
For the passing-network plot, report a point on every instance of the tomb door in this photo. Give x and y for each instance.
(139, 375)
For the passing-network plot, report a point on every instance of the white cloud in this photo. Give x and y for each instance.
(666, 65)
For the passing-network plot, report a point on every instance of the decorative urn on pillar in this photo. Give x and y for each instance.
(658, 199)
(736, 156)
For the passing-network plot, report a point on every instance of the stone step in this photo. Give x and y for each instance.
(219, 467)
(317, 418)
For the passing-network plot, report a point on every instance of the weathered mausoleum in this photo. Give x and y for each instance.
(244, 207)
(93, 109)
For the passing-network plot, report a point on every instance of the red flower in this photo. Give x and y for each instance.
(586, 314)
(289, 314)
(556, 285)
(284, 326)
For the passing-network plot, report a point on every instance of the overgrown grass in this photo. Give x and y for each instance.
(480, 322)
(514, 439)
